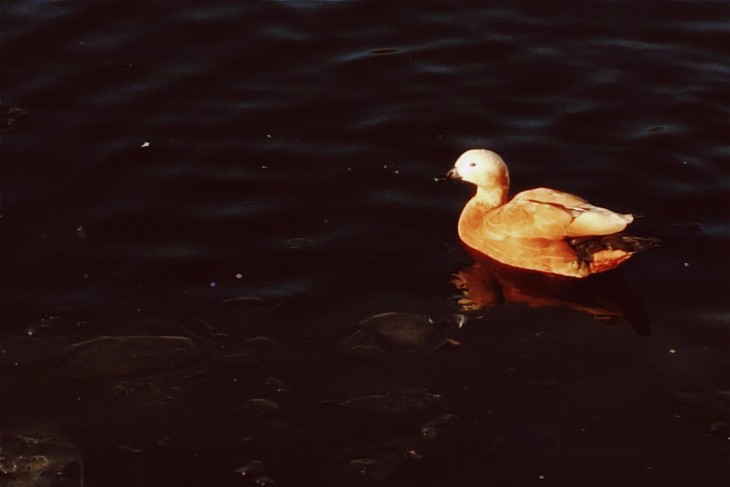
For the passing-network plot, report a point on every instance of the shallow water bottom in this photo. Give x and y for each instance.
(551, 388)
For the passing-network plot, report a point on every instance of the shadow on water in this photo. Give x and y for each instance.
(607, 297)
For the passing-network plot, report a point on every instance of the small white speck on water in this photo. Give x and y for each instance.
(684, 163)
(541, 477)
(263, 166)
(268, 136)
(239, 275)
(326, 220)
(686, 264)
(213, 284)
(672, 350)
(145, 144)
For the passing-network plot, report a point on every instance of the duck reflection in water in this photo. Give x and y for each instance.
(606, 296)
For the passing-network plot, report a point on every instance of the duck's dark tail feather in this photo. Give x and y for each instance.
(616, 247)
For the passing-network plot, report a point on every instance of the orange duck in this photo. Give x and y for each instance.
(539, 229)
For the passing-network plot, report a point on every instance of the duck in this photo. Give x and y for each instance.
(540, 229)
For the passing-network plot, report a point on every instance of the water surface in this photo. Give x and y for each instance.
(158, 161)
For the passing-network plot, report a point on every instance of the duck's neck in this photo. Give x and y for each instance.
(491, 197)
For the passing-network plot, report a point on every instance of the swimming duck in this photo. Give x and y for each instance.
(539, 229)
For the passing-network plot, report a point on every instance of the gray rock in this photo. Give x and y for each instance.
(396, 330)
(31, 461)
(112, 356)
(394, 403)
(376, 468)
(260, 407)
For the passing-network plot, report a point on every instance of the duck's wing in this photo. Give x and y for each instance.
(551, 214)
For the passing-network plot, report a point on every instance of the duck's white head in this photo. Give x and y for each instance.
(486, 170)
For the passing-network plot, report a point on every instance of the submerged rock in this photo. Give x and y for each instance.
(264, 481)
(260, 407)
(11, 118)
(703, 402)
(377, 468)
(397, 330)
(111, 356)
(394, 403)
(250, 469)
(440, 427)
(30, 461)
(276, 385)
(241, 317)
(407, 329)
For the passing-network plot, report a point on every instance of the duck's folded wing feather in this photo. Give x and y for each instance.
(546, 213)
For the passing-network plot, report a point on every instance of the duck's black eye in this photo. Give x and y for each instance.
(473, 164)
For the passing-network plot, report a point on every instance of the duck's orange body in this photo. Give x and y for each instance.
(540, 229)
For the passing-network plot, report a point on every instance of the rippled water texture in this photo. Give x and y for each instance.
(278, 158)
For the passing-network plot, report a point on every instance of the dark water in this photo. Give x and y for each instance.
(159, 159)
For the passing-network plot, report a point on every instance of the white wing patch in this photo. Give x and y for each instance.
(589, 220)
(593, 220)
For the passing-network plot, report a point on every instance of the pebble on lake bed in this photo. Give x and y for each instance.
(377, 468)
(260, 407)
(441, 427)
(27, 460)
(111, 356)
(401, 328)
(254, 467)
(394, 403)
(396, 330)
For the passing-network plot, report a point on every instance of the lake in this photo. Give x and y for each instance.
(225, 260)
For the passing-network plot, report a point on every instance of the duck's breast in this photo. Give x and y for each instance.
(520, 234)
